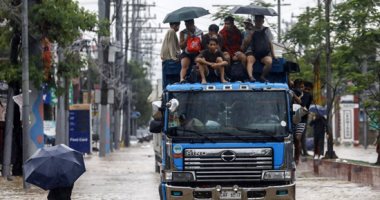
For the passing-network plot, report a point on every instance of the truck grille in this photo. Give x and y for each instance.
(228, 164)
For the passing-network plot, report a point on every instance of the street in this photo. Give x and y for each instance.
(128, 174)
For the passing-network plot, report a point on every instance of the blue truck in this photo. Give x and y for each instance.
(228, 140)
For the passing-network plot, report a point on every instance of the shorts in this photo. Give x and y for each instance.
(191, 56)
(212, 74)
(257, 55)
(249, 52)
(300, 128)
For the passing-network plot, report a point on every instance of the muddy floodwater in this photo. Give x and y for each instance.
(128, 174)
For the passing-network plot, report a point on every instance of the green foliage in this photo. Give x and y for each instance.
(306, 37)
(223, 12)
(141, 89)
(355, 37)
(103, 27)
(61, 20)
(9, 72)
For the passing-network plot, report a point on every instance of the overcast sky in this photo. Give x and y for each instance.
(165, 6)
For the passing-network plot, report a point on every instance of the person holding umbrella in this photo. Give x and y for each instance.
(190, 43)
(260, 40)
(190, 38)
(56, 169)
(61, 193)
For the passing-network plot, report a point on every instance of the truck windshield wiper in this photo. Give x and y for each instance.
(229, 134)
(258, 131)
(198, 133)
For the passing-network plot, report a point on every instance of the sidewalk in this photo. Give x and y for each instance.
(357, 153)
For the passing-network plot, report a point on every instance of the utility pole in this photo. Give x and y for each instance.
(25, 85)
(8, 133)
(119, 64)
(137, 22)
(125, 99)
(135, 25)
(279, 21)
(133, 31)
(329, 96)
(103, 56)
(363, 109)
(279, 4)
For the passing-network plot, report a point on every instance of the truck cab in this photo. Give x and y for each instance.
(228, 140)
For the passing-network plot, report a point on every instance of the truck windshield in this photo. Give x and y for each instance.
(229, 114)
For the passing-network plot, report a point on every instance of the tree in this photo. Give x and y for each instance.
(359, 37)
(60, 21)
(356, 36)
(141, 87)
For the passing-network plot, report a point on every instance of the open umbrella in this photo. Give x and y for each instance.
(318, 109)
(253, 10)
(185, 13)
(54, 167)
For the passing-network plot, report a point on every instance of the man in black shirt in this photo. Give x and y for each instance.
(211, 62)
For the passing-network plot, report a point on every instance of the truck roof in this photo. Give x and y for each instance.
(233, 86)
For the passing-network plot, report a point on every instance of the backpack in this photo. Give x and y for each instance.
(236, 72)
(193, 44)
(260, 42)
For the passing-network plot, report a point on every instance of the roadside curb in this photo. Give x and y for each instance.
(343, 170)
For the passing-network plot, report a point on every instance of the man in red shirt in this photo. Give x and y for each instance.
(232, 39)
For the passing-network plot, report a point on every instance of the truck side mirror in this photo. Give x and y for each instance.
(155, 126)
(172, 105)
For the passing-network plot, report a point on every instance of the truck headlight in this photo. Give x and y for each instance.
(276, 175)
(179, 176)
(168, 176)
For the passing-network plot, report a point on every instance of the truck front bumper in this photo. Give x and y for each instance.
(282, 192)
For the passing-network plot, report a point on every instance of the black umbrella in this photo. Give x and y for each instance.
(253, 10)
(54, 167)
(185, 13)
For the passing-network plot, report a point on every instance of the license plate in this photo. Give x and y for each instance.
(230, 195)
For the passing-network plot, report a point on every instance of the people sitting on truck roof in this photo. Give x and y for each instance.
(190, 43)
(260, 40)
(232, 39)
(248, 28)
(170, 52)
(213, 30)
(211, 63)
